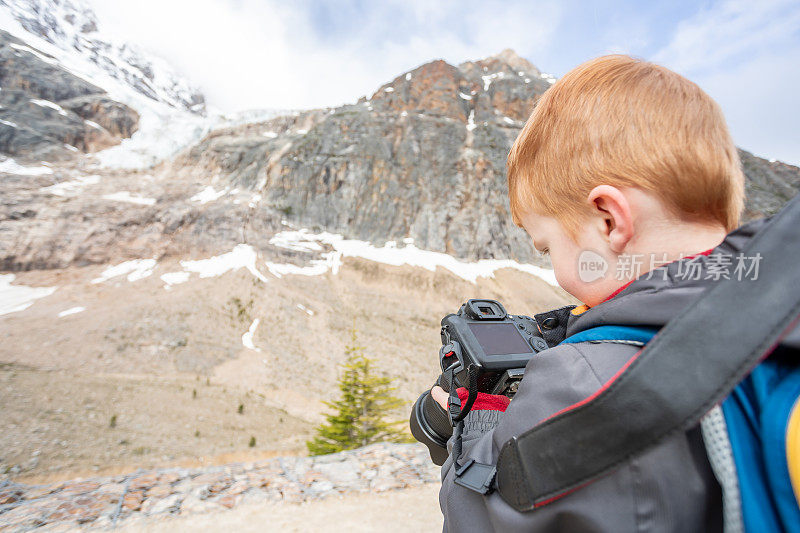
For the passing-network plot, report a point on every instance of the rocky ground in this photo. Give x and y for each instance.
(414, 509)
(145, 500)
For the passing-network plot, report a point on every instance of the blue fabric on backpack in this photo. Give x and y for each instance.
(756, 413)
(611, 333)
(743, 411)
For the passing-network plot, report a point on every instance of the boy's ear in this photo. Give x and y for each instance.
(613, 210)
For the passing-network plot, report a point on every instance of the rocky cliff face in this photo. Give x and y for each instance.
(769, 185)
(48, 113)
(423, 157)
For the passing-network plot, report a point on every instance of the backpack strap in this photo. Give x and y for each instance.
(691, 365)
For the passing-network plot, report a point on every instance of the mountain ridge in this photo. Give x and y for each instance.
(423, 157)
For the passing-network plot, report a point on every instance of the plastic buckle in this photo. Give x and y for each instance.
(476, 477)
(453, 406)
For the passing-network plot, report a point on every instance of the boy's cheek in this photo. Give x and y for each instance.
(588, 288)
(567, 278)
(590, 294)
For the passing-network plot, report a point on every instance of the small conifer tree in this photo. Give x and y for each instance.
(359, 414)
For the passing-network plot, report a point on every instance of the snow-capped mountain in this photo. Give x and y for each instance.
(46, 44)
(64, 37)
(72, 26)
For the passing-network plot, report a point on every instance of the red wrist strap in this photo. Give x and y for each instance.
(484, 402)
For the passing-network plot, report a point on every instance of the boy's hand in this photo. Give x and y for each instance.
(440, 396)
(484, 402)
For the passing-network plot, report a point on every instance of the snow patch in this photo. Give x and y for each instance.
(465, 96)
(136, 269)
(125, 196)
(305, 309)
(174, 278)
(8, 123)
(23, 48)
(389, 89)
(487, 79)
(71, 187)
(9, 166)
(390, 254)
(162, 132)
(270, 134)
(408, 76)
(51, 105)
(247, 338)
(331, 261)
(242, 256)
(14, 298)
(71, 311)
(295, 240)
(208, 195)
(471, 120)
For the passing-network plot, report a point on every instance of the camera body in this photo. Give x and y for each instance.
(494, 345)
(484, 335)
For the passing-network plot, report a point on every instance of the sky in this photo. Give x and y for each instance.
(247, 54)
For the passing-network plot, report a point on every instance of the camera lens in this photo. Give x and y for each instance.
(430, 425)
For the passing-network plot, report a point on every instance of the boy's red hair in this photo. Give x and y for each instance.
(625, 122)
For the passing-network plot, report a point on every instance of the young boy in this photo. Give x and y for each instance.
(625, 173)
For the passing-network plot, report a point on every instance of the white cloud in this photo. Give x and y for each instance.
(745, 55)
(759, 98)
(731, 31)
(266, 53)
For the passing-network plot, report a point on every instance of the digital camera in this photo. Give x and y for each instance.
(484, 340)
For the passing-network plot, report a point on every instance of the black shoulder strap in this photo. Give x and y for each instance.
(690, 366)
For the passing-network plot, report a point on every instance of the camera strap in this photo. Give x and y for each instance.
(455, 411)
(472, 475)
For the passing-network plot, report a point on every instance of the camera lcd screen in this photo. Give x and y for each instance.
(499, 339)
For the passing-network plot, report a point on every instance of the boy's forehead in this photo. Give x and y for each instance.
(533, 220)
(543, 228)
